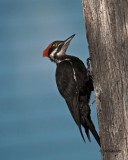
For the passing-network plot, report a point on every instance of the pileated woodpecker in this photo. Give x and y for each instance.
(74, 84)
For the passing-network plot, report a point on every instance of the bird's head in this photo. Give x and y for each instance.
(57, 49)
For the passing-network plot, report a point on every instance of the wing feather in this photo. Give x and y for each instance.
(67, 86)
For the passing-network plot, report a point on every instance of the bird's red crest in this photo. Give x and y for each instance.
(45, 52)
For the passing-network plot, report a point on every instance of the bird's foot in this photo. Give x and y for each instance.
(89, 67)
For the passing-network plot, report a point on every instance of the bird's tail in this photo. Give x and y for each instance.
(90, 126)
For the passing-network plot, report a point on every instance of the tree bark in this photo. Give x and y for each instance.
(107, 35)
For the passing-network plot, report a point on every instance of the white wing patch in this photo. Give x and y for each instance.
(74, 74)
(67, 59)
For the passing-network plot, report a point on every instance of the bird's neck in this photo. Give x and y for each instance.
(58, 59)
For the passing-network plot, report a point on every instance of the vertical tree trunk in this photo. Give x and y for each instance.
(107, 35)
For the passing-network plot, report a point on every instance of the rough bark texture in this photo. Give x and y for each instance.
(107, 34)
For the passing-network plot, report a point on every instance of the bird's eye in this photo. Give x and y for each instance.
(55, 44)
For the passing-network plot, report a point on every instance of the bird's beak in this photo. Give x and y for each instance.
(67, 42)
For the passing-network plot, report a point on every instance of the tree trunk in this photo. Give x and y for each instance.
(107, 35)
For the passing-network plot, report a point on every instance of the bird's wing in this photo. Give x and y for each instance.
(67, 86)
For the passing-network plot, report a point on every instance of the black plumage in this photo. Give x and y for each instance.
(74, 84)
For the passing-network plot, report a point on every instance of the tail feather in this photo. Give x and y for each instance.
(81, 133)
(87, 132)
(90, 126)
